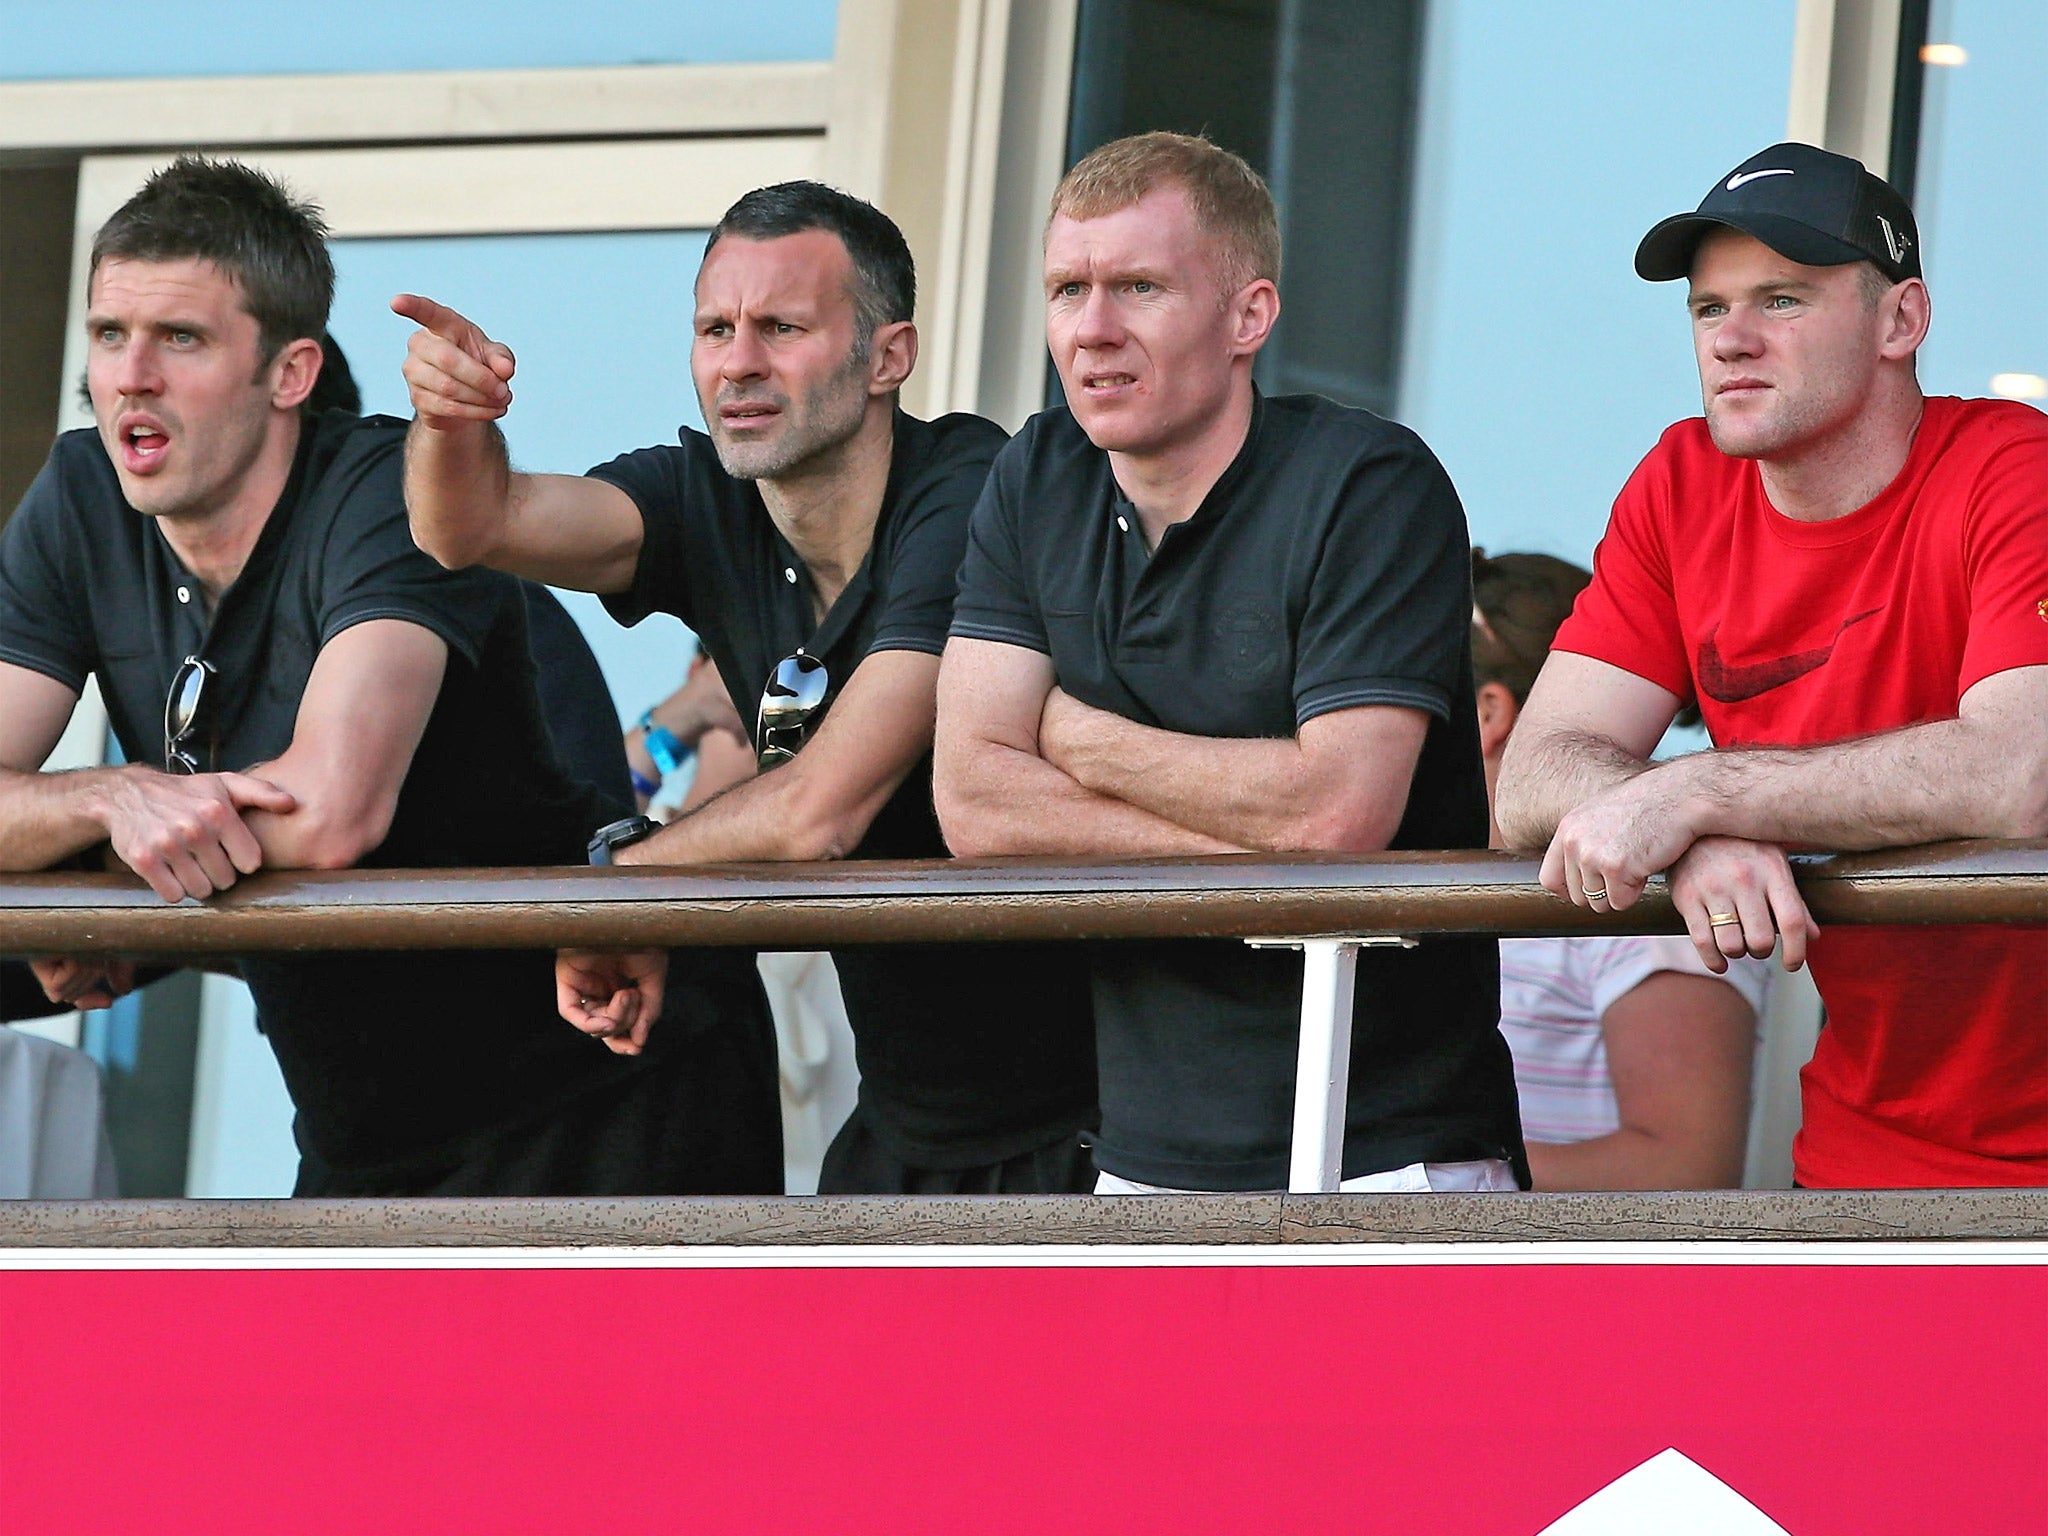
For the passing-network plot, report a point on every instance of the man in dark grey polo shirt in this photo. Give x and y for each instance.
(294, 685)
(1192, 620)
(811, 537)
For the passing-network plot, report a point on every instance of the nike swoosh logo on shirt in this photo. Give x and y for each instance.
(1749, 176)
(1728, 684)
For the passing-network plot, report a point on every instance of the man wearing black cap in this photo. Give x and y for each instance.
(1851, 580)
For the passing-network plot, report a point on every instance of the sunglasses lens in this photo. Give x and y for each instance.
(794, 693)
(185, 695)
(181, 714)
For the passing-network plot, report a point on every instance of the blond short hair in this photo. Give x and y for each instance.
(1228, 198)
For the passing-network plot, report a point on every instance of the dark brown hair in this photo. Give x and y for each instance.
(272, 245)
(1518, 602)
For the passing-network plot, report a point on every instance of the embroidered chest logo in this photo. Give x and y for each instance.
(2042, 609)
(1251, 641)
(1729, 683)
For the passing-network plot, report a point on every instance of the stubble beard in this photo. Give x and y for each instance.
(832, 414)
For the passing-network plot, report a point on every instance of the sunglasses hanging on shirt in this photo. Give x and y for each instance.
(792, 699)
(182, 707)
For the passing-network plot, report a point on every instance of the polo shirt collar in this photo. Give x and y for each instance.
(847, 608)
(1221, 494)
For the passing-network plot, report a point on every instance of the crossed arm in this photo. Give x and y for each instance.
(321, 804)
(1576, 775)
(1022, 767)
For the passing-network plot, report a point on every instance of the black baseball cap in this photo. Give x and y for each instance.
(1816, 208)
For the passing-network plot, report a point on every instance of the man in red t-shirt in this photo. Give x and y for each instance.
(1851, 581)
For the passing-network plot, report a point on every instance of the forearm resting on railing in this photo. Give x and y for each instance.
(1976, 777)
(1545, 773)
(995, 798)
(45, 818)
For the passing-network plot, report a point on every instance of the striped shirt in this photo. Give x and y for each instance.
(1553, 994)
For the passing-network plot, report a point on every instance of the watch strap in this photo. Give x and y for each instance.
(668, 752)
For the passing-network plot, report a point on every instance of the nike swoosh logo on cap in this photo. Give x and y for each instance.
(1736, 181)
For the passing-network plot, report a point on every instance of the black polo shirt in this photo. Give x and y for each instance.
(1327, 569)
(968, 1054)
(402, 1064)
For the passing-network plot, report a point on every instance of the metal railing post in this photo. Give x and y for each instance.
(1322, 1064)
(1322, 1070)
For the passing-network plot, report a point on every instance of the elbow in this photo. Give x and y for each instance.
(817, 827)
(340, 841)
(2027, 812)
(1354, 824)
(1511, 808)
(1519, 826)
(824, 839)
(969, 832)
(443, 545)
(971, 837)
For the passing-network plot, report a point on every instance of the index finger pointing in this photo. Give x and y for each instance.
(438, 318)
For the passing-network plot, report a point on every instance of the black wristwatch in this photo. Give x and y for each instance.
(608, 840)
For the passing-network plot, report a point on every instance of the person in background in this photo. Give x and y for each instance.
(1632, 1058)
(694, 725)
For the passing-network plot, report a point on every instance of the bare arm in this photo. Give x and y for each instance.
(817, 805)
(1586, 727)
(360, 720)
(465, 504)
(1715, 819)
(1340, 785)
(997, 795)
(1983, 774)
(1679, 1050)
(185, 835)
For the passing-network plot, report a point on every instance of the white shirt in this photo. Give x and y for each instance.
(1553, 994)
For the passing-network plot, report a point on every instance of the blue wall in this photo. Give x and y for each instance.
(1554, 133)
(99, 39)
(601, 327)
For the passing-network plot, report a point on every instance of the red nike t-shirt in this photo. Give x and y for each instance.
(1933, 1068)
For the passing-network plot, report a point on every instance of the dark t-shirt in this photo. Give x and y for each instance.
(1326, 570)
(400, 1063)
(968, 1053)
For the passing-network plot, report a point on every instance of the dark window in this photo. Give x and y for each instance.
(1319, 95)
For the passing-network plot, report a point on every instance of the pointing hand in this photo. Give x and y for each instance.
(454, 372)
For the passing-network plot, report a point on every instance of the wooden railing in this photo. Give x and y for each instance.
(1325, 903)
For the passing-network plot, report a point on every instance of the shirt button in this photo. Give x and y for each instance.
(184, 594)
(789, 574)
(1126, 527)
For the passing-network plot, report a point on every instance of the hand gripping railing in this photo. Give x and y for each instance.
(1326, 905)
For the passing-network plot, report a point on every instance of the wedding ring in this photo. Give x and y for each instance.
(1593, 895)
(1722, 919)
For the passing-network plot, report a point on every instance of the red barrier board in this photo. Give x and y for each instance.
(1473, 1393)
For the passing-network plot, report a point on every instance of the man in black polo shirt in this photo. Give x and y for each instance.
(811, 539)
(239, 577)
(1192, 620)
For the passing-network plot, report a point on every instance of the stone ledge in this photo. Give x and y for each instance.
(1730, 1216)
